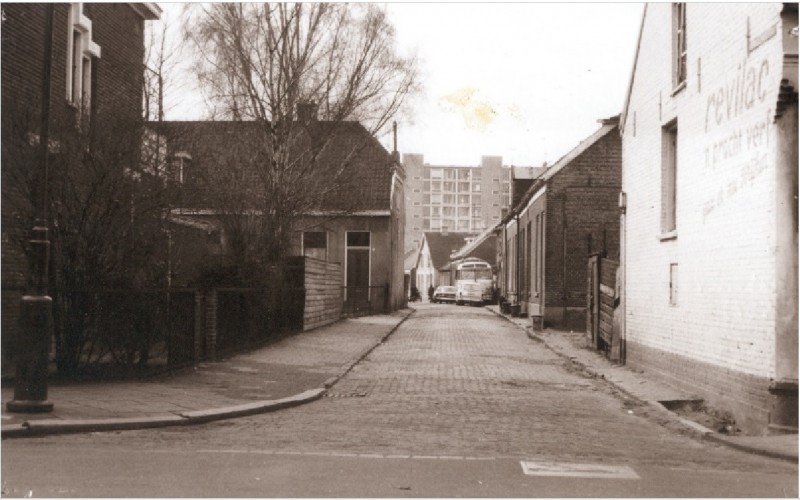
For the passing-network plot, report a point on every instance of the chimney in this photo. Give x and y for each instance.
(395, 152)
(307, 111)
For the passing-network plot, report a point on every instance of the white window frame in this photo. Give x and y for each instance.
(80, 51)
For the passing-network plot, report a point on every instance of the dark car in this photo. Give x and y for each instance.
(444, 294)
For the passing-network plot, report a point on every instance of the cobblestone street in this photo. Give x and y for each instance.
(452, 385)
(461, 381)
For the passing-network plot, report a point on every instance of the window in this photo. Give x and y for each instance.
(81, 51)
(436, 173)
(506, 187)
(463, 187)
(416, 178)
(449, 173)
(463, 211)
(436, 186)
(463, 225)
(495, 192)
(416, 190)
(679, 42)
(476, 211)
(448, 199)
(426, 199)
(416, 203)
(448, 211)
(449, 186)
(358, 239)
(416, 216)
(476, 188)
(426, 224)
(476, 200)
(178, 168)
(669, 174)
(315, 244)
(436, 199)
(435, 211)
(477, 175)
(496, 179)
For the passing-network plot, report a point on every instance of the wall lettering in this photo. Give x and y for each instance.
(739, 95)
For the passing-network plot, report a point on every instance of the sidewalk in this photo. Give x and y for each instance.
(650, 392)
(293, 371)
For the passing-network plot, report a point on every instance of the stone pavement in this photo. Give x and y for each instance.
(638, 385)
(292, 371)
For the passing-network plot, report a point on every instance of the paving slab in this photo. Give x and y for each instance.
(294, 370)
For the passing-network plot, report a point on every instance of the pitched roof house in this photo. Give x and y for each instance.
(710, 162)
(433, 259)
(567, 213)
(349, 208)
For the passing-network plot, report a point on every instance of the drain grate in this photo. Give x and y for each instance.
(346, 395)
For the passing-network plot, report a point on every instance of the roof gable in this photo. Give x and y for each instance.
(441, 245)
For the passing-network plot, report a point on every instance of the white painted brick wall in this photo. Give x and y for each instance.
(725, 248)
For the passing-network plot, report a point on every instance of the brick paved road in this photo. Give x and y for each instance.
(459, 382)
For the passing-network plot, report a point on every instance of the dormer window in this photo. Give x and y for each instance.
(81, 50)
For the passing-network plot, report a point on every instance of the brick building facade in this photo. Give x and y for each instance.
(710, 229)
(96, 70)
(568, 212)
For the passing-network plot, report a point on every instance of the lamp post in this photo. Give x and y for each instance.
(36, 307)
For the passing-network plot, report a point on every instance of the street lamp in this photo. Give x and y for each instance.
(36, 308)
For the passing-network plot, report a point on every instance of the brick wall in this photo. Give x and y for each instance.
(724, 319)
(119, 32)
(582, 206)
(323, 284)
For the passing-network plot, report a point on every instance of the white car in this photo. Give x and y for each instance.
(469, 293)
(444, 294)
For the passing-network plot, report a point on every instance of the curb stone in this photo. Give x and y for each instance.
(697, 430)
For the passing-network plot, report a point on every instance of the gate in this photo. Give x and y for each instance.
(601, 300)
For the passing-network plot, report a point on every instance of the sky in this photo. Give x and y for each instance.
(525, 81)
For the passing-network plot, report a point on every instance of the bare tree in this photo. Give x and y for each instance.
(263, 62)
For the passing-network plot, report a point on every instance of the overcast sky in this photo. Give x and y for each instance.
(526, 82)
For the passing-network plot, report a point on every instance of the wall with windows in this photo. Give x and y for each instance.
(465, 199)
(701, 180)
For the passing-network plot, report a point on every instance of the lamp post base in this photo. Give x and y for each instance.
(29, 406)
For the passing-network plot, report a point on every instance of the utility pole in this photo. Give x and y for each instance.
(36, 318)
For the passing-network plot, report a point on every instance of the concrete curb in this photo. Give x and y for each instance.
(713, 436)
(697, 430)
(35, 428)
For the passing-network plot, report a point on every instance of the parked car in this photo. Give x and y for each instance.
(469, 293)
(444, 293)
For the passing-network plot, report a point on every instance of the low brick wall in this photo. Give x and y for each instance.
(323, 284)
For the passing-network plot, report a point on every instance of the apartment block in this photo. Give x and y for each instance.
(462, 199)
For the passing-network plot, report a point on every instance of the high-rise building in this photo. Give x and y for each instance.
(449, 198)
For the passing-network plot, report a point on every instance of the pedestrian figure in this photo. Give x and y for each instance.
(430, 293)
